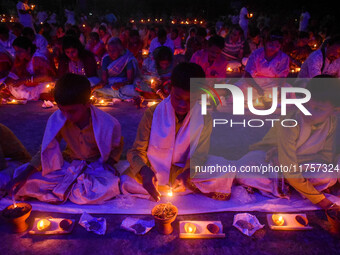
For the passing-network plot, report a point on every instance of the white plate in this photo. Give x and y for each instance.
(289, 222)
(201, 230)
(53, 230)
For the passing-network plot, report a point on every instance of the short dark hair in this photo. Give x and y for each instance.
(162, 53)
(327, 91)
(180, 77)
(94, 36)
(254, 31)
(27, 31)
(335, 40)
(216, 40)
(133, 32)
(72, 89)
(175, 30)
(303, 35)
(103, 28)
(235, 27)
(72, 42)
(201, 32)
(161, 33)
(24, 43)
(115, 41)
(274, 35)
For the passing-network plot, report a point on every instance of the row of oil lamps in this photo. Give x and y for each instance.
(45, 224)
(174, 21)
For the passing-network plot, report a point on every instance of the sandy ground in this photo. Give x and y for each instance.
(28, 123)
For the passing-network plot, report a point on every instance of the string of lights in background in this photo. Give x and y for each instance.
(195, 21)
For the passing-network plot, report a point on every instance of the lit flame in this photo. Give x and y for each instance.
(48, 85)
(229, 69)
(43, 224)
(170, 193)
(14, 101)
(101, 101)
(297, 69)
(152, 81)
(190, 228)
(92, 97)
(278, 219)
(13, 199)
(151, 103)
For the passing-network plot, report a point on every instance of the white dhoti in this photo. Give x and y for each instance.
(80, 182)
(169, 152)
(268, 183)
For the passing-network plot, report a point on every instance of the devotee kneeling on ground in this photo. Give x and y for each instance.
(85, 171)
(304, 146)
(119, 72)
(164, 147)
(30, 72)
(211, 59)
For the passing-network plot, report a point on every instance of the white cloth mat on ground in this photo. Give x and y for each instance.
(188, 204)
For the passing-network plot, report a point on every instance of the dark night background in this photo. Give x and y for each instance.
(212, 9)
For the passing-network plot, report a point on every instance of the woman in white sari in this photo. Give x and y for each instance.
(30, 72)
(119, 71)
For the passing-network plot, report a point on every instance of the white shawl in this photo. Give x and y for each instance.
(107, 133)
(165, 147)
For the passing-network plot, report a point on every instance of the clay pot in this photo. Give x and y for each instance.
(164, 225)
(17, 218)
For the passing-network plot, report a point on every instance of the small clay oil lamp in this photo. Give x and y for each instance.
(16, 214)
(164, 215)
